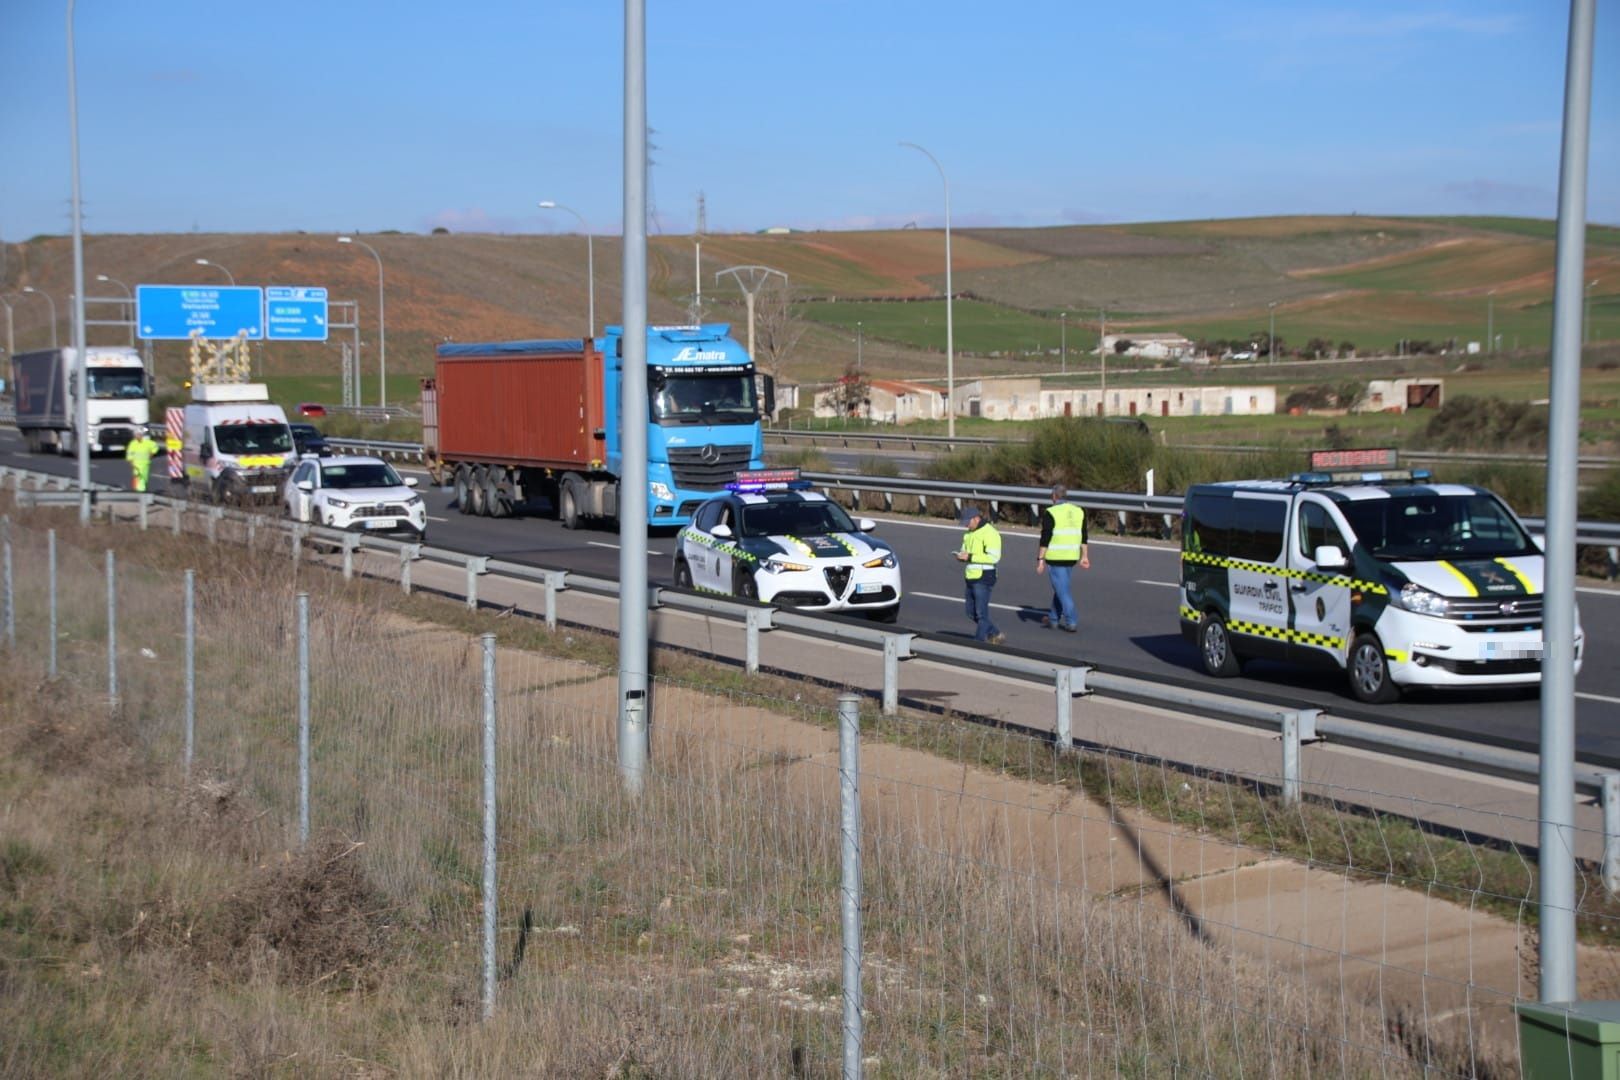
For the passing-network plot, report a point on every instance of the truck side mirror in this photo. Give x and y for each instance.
(768, 385)
(1330, 557)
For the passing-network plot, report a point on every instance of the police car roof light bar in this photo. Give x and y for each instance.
(754, 480)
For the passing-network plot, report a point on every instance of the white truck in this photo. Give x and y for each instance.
(237, 447)
(45, 384)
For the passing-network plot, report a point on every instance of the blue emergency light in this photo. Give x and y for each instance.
(753, 481)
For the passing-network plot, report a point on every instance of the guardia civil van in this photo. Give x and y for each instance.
(1393, 579)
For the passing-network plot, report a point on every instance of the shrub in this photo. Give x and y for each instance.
(1486, 423)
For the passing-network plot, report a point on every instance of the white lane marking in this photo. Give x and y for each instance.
(1165, 584)
(960, 599)
(1599, 697)
(1597, 592)
(430, 517)
(615, 547)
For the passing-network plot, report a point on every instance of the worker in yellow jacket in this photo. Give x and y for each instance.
(139, 453)
(981, 550)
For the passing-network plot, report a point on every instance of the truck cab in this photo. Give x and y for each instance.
(238, 447)
(46, 388)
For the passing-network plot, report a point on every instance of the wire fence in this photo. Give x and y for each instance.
(1012, 910)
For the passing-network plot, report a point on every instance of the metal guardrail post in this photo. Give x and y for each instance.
(555, 579)
(1067, 684)
(487, 642)
(303, 718)
(252, 531)
(145, 502)
(112, 629)
(849, 891)
(1298, 728)
(476, 564)
(177, 512)
(896, 647)
(408, 553)
(50, 588)
(191, 668)
(755, 620)
(299, 531)
(214, 515)
(351, 544)
(1610, 797)
(11, 592)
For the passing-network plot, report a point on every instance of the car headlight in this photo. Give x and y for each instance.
(341, 504)
(886, 560)
(1417, 599)
(775, 567)
(414, 500)
(660, 490)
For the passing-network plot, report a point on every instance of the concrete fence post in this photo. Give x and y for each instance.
(190, 712)
(144, 501)
(1068, 683)
(1611, 833)
(476, 564)
(303, 718)
(112, 629)
(408, 553)
(488, 643)
(50, 590)
(849, 891)
(10, 587)
(214, 514)
(1298, 728)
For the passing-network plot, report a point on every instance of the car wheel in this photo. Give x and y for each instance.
(683, 574)
(744, 587)
(1215, 647)
(568, 506)
(1369, 671)
(463, 489)
(476, 504)
(498, 505)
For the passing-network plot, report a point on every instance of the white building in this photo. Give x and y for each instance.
(1150, 346)
(887, 401)
(1027, 399)
(1399, 395)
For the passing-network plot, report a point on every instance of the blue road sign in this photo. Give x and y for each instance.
(175, 312)
(295, 313)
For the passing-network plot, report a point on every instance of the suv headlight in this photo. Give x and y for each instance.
(886, 560)
(1417, 599)
(341, 504)
(774, 567)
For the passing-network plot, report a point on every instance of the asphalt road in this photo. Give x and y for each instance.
(1127, 603)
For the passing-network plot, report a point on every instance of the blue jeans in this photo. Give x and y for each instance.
(978, 605)
(1062, 595)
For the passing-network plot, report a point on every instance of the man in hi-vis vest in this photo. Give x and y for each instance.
(981, 550)
(1063, 544)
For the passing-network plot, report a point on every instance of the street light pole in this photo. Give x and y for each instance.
(11, 336)
(950, 335)
(39, 292)
(1063, 341)
(130, 295)
(590, 259)
(1271, 348)
(382, 323)
(1490, 321)
(230, 277)
(757, 277)
(1586, 317)
(82, 442)
(859, 343)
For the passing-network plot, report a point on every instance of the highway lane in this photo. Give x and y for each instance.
(1127, 605)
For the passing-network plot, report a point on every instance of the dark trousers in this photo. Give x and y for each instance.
(978, 605)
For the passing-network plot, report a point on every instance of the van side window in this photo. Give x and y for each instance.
(1257, 529)
(1207, 526)
(1316, 529)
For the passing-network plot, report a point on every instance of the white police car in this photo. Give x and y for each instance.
(362, 494)
(770, 539)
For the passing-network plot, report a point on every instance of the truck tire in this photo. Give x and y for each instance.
(462, 490)
(1215, 647)
(568, 505)
(499, 506)
(1368, 669)
(475, 494)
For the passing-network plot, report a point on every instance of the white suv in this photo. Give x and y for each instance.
(363, 494)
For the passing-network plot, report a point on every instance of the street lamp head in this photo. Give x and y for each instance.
(204, 262)
(29, 288)
(548, 204)
(345, 239)
(103, 277)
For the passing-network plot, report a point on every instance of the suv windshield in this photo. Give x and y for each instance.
(795, 519)
(1436, 527)
(117, 382)
(258, 438)
(366, 474)
(702, 399)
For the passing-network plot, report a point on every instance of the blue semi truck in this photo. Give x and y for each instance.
(516, 424)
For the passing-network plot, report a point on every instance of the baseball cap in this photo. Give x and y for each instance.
(969, 513)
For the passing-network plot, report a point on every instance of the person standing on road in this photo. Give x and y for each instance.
(1064, 543)
(139, 453)
(981, 550)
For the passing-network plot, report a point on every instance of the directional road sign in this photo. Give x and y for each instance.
(295, 313)
(174, 312)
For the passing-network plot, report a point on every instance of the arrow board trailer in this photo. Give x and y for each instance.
(45, 381)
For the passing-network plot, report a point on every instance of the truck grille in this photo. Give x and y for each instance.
(707, 468)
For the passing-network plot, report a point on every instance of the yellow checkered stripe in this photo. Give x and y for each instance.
(704, 540)
(1283, 633)
(1191, 614)
(1265, 568)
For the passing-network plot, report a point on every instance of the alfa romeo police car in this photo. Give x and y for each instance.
(771, 539)
(1391, 578)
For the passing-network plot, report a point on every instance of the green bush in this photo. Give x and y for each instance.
(1601, 502)
(1486, 423)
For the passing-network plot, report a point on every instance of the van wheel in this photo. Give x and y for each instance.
(568, 506)
(1369, 671)
(463, 490)
(683, 574)
(1215, 647)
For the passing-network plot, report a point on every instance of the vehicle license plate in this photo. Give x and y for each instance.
(869, 587)
(264, 489)
(379, 523)
(1512, 650)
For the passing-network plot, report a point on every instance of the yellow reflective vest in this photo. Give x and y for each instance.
(983, 547)
(1068, 533)
(141, 451)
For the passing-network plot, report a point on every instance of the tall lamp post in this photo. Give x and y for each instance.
(29, 289)
(11, 336)
(1490, 321)
(130, 295)
(230, 277)
(950, 335)
(860, 341)
(382, 323)
(1586, 317)
(756, 276)
(590, 260)
(1063, 340)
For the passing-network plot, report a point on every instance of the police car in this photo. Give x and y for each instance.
(1397, 581)
(771, 539)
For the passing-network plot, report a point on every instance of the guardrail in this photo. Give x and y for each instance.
(1297, 725)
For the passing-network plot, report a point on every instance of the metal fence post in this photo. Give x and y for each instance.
(50, 589)
(896, 647)
(756, 620)
(112, 629)
(488, 641)
(303, 718)
(408, 553)
(552, 580)
(145, 502)
(1290, 758)
(849, 892)
(191, 667)
(1063, 690)
(10, 587)
(350, 543)
(1611, 833)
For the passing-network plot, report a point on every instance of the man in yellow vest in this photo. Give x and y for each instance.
(981, 550)
(139, 453)
(1064, 543)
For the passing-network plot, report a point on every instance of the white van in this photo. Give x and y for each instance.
(1396, 581)
(237, 448)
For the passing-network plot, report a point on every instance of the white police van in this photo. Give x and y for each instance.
(1395, 580)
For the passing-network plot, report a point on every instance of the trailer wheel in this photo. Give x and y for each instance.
(462, 489)
(475, 493)
(499, 506)
(568, 505)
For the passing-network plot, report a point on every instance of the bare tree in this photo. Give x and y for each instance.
(777, 329)
(852, 393)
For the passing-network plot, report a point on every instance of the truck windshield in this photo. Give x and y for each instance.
(257, 438)
(702, 399)
(795, 519)
(117, 382)
(365, 474)
(1408, 527)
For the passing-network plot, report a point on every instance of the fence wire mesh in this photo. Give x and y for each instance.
(1025, 912)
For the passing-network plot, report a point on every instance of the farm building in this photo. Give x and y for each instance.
(889, 401)
(1399, 395)
(1026, 399)
(1150, 346)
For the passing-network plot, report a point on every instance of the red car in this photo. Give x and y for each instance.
(311, 408)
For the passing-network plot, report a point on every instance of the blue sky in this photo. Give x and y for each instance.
(407, 115)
